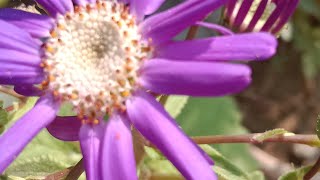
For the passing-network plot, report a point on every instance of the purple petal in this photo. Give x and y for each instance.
(54, 7)
(274, 15)
(150, 118)
(124, 1)
(164, 26)
(117, 157)
(90, 139)
(257, 15)
(27, 90)
(194, 78)
(19, 68)
(37, 25)
(286, 14)
(230, 7)
(14, 38)
(244, 9)
(16, 77)
(222, 30)
(83, 2)
(65, 128)
(21, 133)
(19, 60)
(143, 7)
(249, 46)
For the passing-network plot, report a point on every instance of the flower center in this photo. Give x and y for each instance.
(92, 58)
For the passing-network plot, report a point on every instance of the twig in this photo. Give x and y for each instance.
(192, 32)
(71, 173)
(58, 175)
(313, 171)
(11, 92)
(76, 171)
(311, 140)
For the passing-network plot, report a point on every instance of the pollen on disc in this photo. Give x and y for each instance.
(92, 58)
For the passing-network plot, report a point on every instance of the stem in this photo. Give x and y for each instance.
(192, 32)
(313, 171)
(76, 171)
(71, 173)
(311, 140)
(163, 99)
(11, 92)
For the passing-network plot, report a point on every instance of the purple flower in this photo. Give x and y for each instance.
(259, 15)
(103, 58)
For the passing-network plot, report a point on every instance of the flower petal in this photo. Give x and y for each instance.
(257, 15)
(286, 14)
(244, 9)
(15, 76)
(249, 46)
(218, 28)
(55, 7)
(274, 15)
(90, 139)
(117, 157)
(27, 90)
(164, 26)
(37, 25)
(20, 68)
(150, 118)
(21, 133)
(14, 38)
(65, 128)
(143, 7)
(83, 2)
(194, 78)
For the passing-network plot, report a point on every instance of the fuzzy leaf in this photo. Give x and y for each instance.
(156, 166)
(43, 156)
(66, 109)
(296, 174)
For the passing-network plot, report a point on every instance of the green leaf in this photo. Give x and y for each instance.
(175, 104)
(19, 112)
(3, 118)
(311, 6)
(318, 127)
(43, 156)
(257, 175)
(156, 166)
(296, 174)
(223, 166)
(217, 116)
(66, 109)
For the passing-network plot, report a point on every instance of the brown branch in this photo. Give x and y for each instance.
(76, 171)
(313, 171)
(311, 140)
(192, 32)
(11, 92)
(71, 173)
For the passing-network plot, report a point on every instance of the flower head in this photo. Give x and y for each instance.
(104, 58)
(259, 15)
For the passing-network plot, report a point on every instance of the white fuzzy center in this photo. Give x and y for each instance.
(93, 57)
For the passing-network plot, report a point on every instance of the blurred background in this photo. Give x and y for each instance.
(285, 93)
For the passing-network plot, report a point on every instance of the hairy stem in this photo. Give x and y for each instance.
(313, 171)
(311, 140)
(11, 92)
